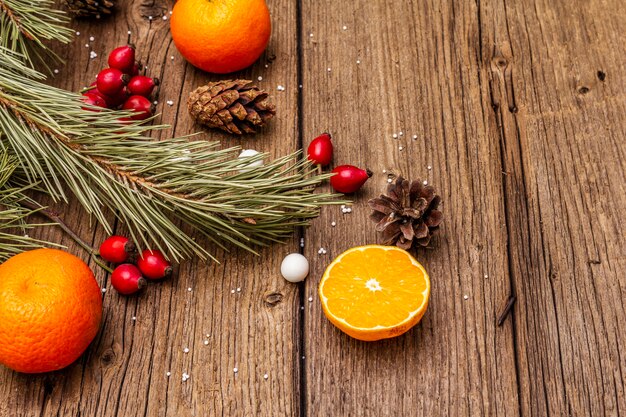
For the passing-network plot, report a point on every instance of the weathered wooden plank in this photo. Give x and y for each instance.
(411, 67)
(557, 84)
(254, 329)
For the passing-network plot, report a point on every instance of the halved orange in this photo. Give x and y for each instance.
(375, 292)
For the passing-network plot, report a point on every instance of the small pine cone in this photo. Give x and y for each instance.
(407, 214)
(90, 8)
(235, 106)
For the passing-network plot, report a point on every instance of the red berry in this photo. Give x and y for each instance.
(142, 85)
(123, 58)
(93, 99)
(117, 99)
(141, 105)
(117, 249)
(111, 80)
(153, 264)
(138, 66)
(348, 178)
(127, 279)
(320, 150)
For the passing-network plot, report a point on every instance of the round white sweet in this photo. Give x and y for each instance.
(294, 267)
(244, 156)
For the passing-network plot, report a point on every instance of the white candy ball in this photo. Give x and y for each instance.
(294, 268)
(245, 155)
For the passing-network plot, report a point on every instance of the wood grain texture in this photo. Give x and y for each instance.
(557, 87)
(417, 75)
(242, 308)
(518, 108)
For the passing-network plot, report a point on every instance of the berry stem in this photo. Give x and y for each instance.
(53, 216)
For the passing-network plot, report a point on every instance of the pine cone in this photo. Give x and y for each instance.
(407, 214)
(235, 106)
(90, 8)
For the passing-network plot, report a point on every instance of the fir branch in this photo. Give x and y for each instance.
(25, 26)
(151, 186)
(13, 226)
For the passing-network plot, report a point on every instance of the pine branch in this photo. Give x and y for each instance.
(163, 191)
(25, 26)
(13, 227)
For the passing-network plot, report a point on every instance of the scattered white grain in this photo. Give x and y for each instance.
(301, 307)
(77, 33)
(400, 133)
(86, 45)
(265, 376)
(168, 373)
(92, 54)
(260, 78)
(164, 17)
(171, 12)
(310, 299)
(303, 357)
(280, 88)
(328, 69)
(310, 35)
(206, 342)
(267, 66)
(425, 182)
(238, 289)
(104, 290)
(345, 27)
(186, 350)
(395, 136)
(155, 102)
(414, 137)
(384, 171)
(486, 276)
(429, 167)
(189, 289)
(172, 57)
(149, 17)
(333, 224)
(170, 102)
(358, 61)
(185, 376)
(400, 148)
(300, 86)
(56, 71)
(235, 370)
(465, 297)
(129, 32)
(321, 251)
(301, 242)
(133, 318)
(232, 291)
(91, 39)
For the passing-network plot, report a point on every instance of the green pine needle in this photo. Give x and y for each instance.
(25, 26)
(165, 192)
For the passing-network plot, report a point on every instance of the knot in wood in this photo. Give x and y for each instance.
(108, 357)
(273, 299)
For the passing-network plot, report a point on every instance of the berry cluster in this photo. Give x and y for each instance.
(347, 178)
(121, 86)
(131, 273)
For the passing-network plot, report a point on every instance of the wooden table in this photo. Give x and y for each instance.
(519, 114)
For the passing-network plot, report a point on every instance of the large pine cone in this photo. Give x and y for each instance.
(407, 214)
(90, 8)
(235, 106)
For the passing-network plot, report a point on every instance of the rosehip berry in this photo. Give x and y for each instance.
(123, 58)
(141, 85)
(127, 279)
(320, 150)
(115, 100)
(138, 66)
(111, 80)
(117, 249)
(141, 105)
(348, 178)
(93, 99)
(153, 264)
